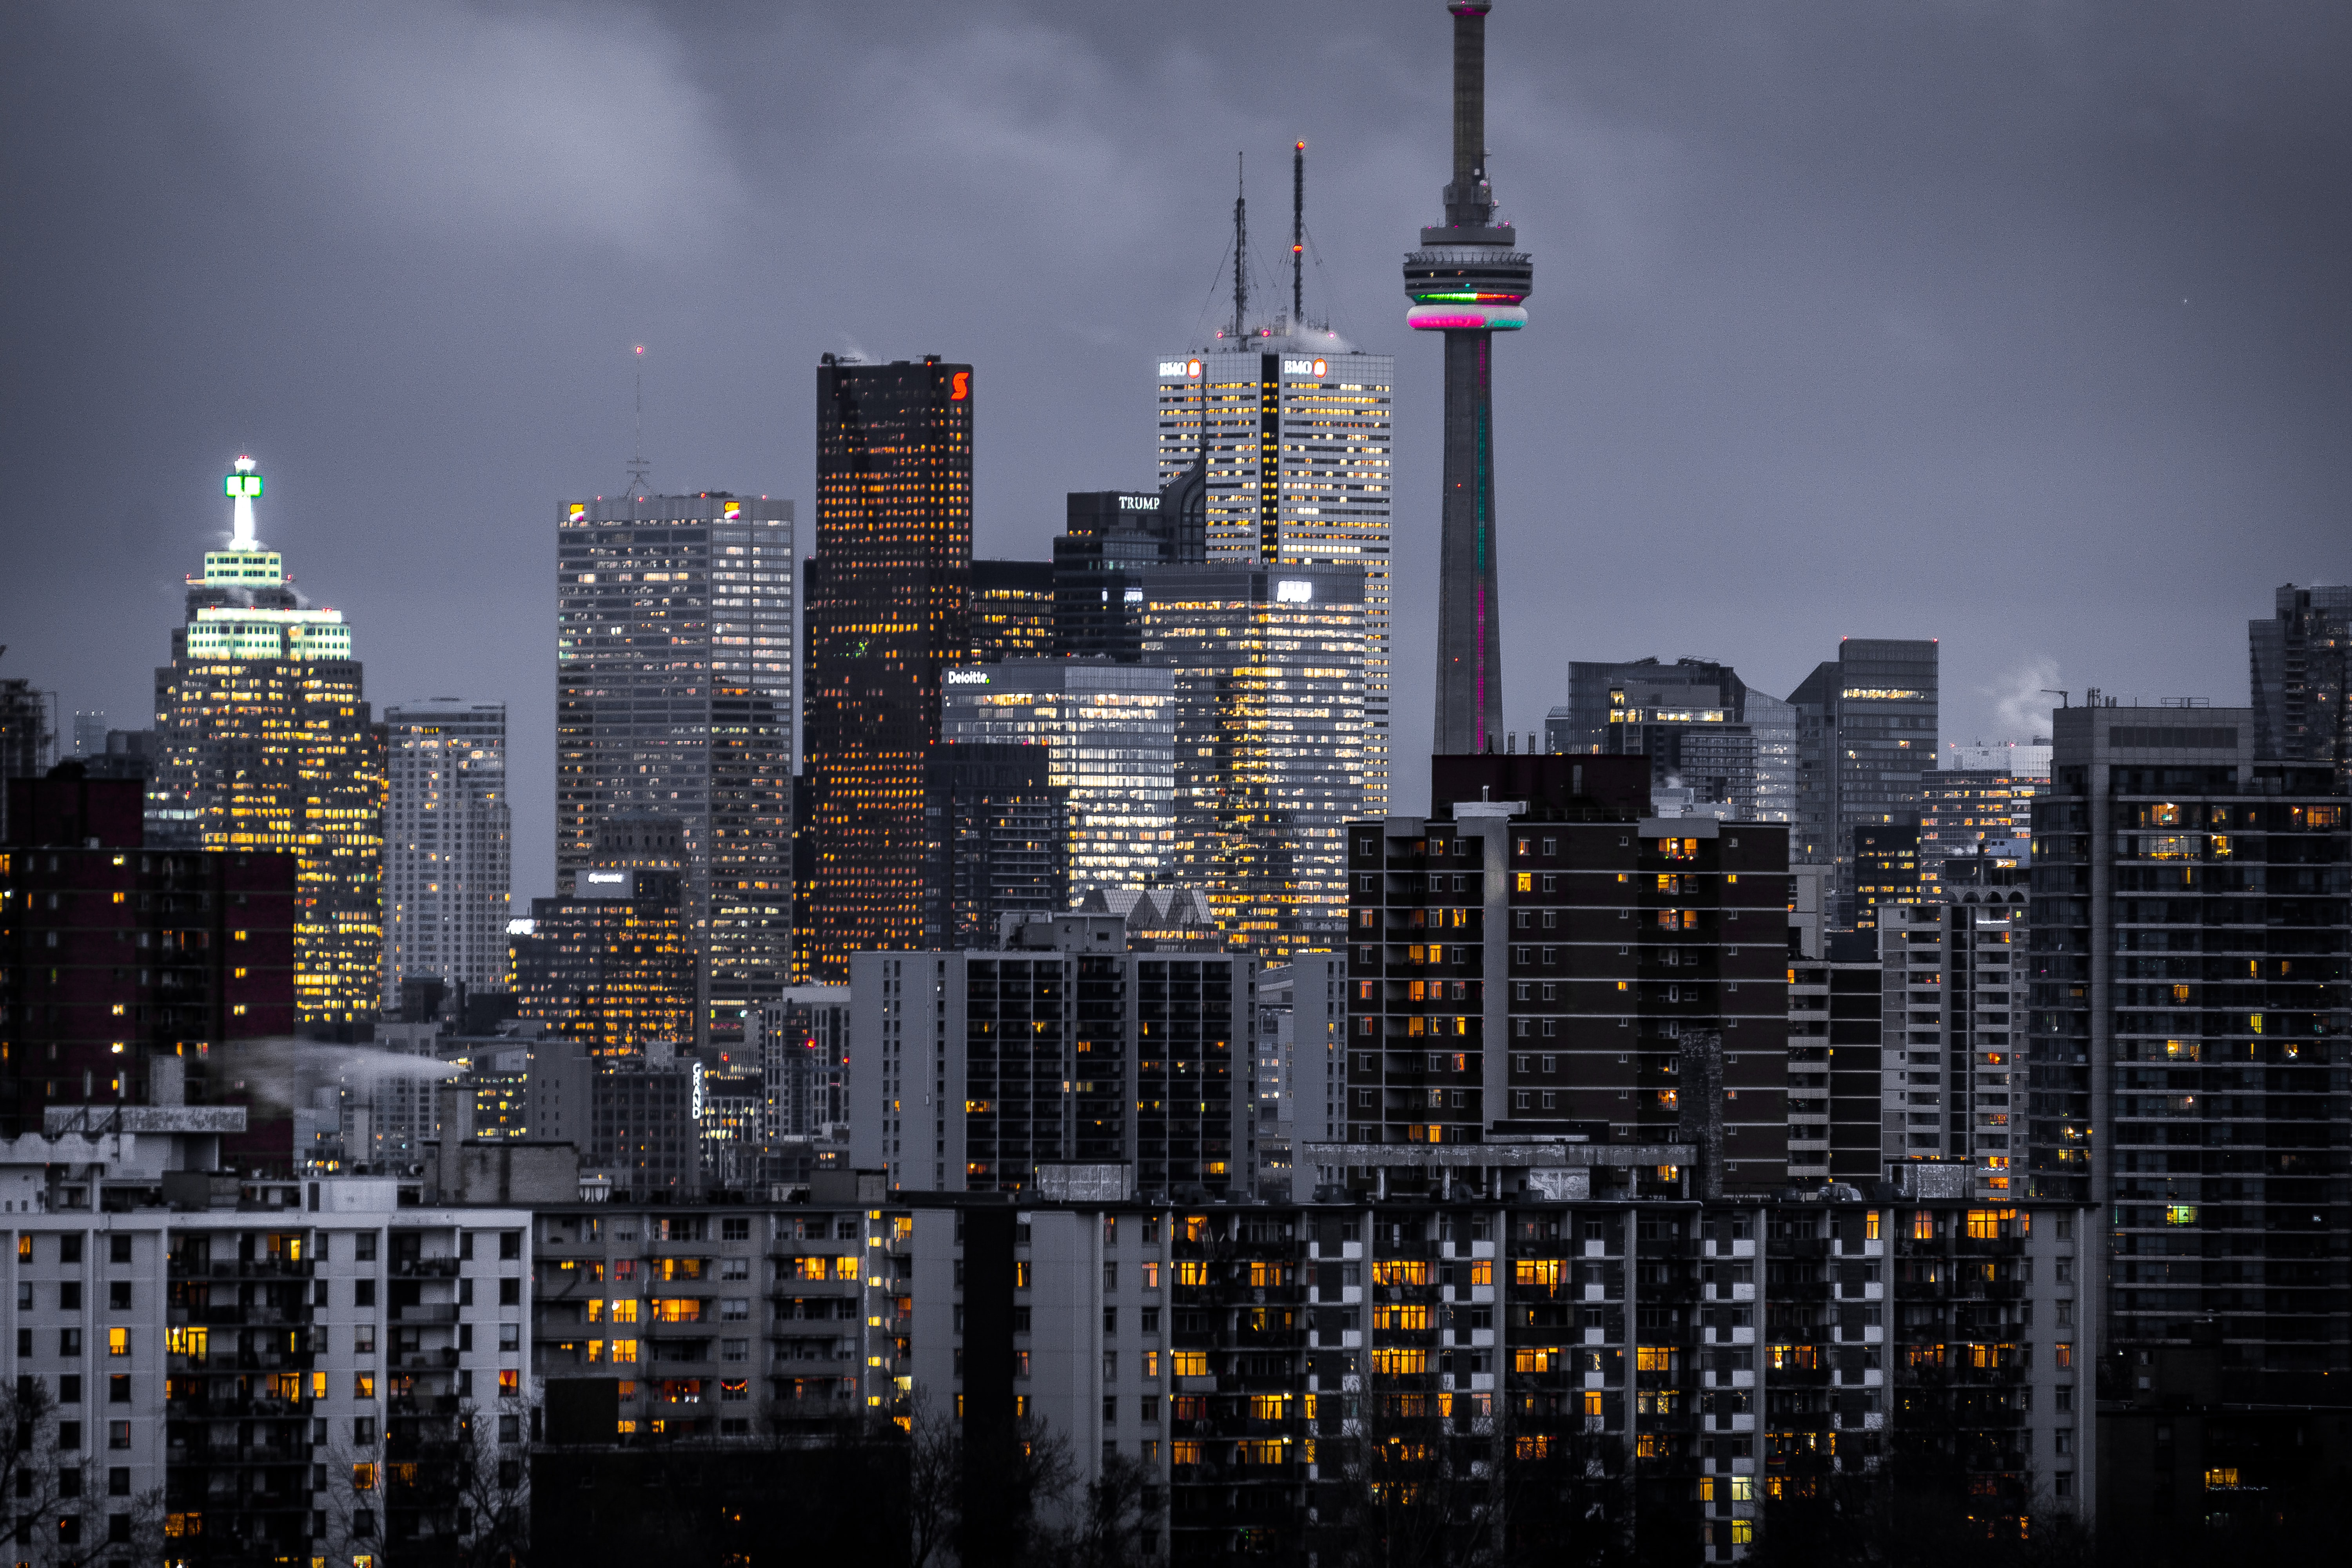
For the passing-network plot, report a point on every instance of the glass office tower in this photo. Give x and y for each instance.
(1110, 732)
(889, 598)
(1270, 727)
(673, 694)
(1297, 430)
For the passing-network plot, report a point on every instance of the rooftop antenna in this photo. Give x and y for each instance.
(1241, 247)
(638, 466)
(1297, 234)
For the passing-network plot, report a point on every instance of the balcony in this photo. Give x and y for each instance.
(424, 1269)
(429, 1312)
(420, 1361)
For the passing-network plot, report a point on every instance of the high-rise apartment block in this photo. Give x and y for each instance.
(447, 847)
(1865, 737)
(265, 741)
(2302, 659)
(1269, 736)
(1108, 731)
(1703, 728)
(889, 609)
(1012, 610)
(1295, 430)
(803, 1055)
(974, 1069)
(1543, 959)
(1886, 871)
(1968, 813)
(1000, 841)
(1954, 967)
(674, 699)
(2192, 1023)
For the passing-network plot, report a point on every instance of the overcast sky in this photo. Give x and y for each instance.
(2021, 326)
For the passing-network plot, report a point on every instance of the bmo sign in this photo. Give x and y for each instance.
(1180, 369)
(1317, 368)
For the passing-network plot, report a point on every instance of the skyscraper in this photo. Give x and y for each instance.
(1286, 428)
(674, 693)
(1269, 724)
(265, 741)
(447, 849)
(889, 598)
(1000, 841)
(1702, 727)
(1468, 281)
(2302, 659)
(1865, 737)
(1012, 610)
(1109, 734)
(1114, 539)
(2186, 1035)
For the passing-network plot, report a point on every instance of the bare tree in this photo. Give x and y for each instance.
(493, 1478)
(934, 1475)
(67, 1514)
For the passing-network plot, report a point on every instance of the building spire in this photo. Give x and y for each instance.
(1241, 249)
(243, 488)
(638, 465)
(1298, 236)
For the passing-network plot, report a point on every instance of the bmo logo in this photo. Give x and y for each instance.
(1314, 367)
(1180, 369)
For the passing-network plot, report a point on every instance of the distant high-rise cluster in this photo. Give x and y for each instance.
(1025, 1019)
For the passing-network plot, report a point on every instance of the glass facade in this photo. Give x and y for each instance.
(447, 849)
(1297, 437)
(614, 973)
(1866, 740)
(889, 613)
(1270, 727)
(674, 700)
(1109, 731)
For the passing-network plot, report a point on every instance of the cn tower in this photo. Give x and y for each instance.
(1468, 280)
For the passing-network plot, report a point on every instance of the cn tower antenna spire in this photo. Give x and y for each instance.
(1468, 281)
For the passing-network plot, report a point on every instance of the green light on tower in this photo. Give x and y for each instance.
(243, 486)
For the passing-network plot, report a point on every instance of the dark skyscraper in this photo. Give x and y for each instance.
(1012, 610)
(1467, 281)
(1000, 842)
(889, 597)
(2302, 660)
(1114, 538)
(1865, 737)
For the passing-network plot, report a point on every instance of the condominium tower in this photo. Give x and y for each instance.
(890, 596)
(2189, 1018)
(446, 847)
(1866, 735)
(674, 700)
(264, 741)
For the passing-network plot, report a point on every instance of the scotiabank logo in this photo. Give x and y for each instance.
(960, 386)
